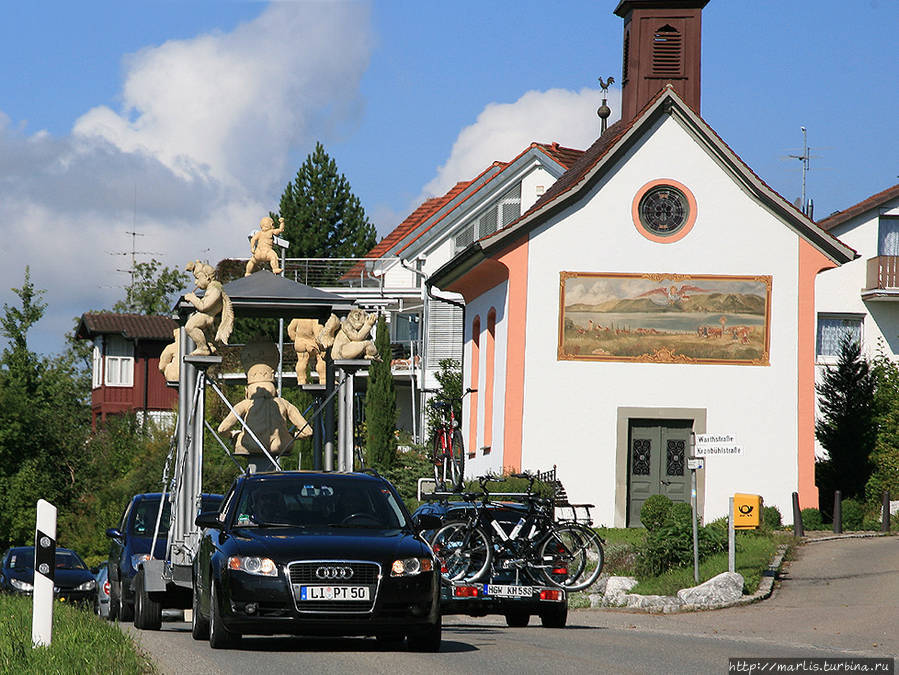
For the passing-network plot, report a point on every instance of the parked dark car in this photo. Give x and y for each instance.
(130, 546)
(315, 554)
(502, 591)
(72, 581)
(101, 598)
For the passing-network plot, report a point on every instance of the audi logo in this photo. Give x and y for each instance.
(333, 572)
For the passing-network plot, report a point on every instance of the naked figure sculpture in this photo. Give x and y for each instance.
(261, 244)
(214, 301)
(168, 359)
(263, 411)
(353, 341)
(305, 334)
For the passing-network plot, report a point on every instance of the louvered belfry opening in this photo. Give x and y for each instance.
(661, 45)
(667, 52)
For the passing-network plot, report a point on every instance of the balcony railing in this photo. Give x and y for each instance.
(337, 272)
(883, 272)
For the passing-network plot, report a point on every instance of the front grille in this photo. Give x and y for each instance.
(364, 574)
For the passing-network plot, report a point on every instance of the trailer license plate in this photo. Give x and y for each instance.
(503, 591)
(331, 592)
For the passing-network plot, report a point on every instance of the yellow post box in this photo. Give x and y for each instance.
(747, 511)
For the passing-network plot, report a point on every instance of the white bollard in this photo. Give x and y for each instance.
(44, 574)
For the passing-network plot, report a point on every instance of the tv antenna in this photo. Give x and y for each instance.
(133, 253)
(805, 205)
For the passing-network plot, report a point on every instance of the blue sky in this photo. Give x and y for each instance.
(183, 121)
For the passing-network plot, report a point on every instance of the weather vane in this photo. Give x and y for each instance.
(604, 111)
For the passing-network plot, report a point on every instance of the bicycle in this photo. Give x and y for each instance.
(447, 448)
(567, 555)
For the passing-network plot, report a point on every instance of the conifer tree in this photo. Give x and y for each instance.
(380, 404)
(323, 218)
(846, 427)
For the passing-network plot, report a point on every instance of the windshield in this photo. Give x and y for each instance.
(146, 509)
(317, 502)
(23, 559)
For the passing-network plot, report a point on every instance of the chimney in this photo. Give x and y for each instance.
(662, 45)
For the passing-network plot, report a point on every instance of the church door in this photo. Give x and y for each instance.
(657, 463)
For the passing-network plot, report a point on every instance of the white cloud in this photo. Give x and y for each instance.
(196, 155)
(503, 130)
(230, 106)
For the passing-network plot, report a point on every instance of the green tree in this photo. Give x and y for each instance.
(449, 377)
(885, 457)
(152, 289)
(380, 403)
(323, 218)
(846, 427)
(44, 420)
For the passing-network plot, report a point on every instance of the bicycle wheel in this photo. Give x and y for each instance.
(571, 557)
(457, 458)
(463, 551)
(437, 459)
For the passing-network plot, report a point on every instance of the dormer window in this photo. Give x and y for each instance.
(667, 52)
(502, 212)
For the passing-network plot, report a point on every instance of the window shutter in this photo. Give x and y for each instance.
(444, 333)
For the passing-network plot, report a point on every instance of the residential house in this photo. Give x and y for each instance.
(125, 374)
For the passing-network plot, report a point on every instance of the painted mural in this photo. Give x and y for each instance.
(664, 318)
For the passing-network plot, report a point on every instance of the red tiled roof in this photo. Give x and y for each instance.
(871, 202)
(427, 209)
(132, 326)
(563, 156)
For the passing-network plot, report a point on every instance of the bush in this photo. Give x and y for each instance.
(811, 519)
(654, 511)
(771, 517)
(670, 544)
(853, 514)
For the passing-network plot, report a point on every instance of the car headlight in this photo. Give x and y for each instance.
(264, 567)
(407, 567)
(136, 560)
(87, 585)
(21, 585)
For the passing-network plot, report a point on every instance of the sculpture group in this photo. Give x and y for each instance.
(262, 411)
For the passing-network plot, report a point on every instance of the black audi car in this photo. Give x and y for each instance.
(72, 580)
(315, 554)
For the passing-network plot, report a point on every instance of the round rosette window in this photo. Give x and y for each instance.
(664, 211)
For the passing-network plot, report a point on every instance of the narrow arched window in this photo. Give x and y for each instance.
(489, 374)
(473, 383)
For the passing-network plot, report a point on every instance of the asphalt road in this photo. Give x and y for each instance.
(837, 599)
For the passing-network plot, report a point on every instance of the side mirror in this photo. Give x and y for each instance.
(114, 533)
(208, 519)
(427, 521)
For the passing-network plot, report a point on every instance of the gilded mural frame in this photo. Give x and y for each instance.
(665, 318)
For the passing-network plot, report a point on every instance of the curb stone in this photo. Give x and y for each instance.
(657, 604)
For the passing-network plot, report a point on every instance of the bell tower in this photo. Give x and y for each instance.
(662, 45)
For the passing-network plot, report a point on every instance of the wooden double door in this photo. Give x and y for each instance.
(657, 463)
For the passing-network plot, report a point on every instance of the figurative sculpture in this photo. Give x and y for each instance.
(353, 340)
(261, 246)
(305, 334)
(168, 360)
(262, 410)
(214, 301)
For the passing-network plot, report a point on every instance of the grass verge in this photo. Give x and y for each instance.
(82, 643)
(754, 552)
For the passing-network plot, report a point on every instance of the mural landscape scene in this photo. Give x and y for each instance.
(659, 318)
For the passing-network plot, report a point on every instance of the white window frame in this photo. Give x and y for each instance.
(119, 362)
(845, 318)
(488, 220)
(97, 363)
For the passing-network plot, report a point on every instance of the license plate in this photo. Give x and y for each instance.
(331, 592)
(503, 591)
